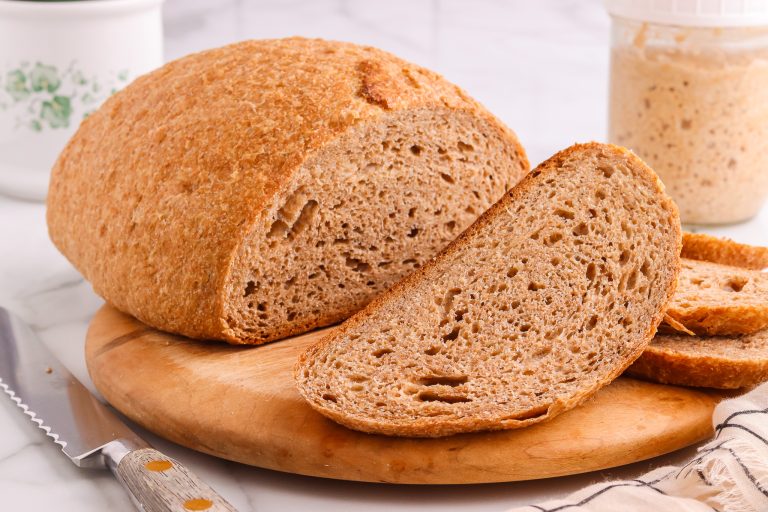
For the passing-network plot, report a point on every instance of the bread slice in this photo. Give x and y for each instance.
(719, 299)
(725, 362)
(542, 301)
(266, 188)
(698, 246)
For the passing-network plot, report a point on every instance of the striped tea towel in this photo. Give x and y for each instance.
(730, 474)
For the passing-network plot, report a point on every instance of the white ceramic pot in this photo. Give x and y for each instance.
(58, 62)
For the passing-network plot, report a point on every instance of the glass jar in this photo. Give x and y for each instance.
(689, 95)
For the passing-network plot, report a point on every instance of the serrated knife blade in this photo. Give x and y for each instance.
(53, 398)
(89, 433)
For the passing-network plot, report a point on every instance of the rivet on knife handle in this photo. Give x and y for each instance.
(158, 483)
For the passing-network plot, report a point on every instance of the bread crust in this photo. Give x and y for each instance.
(699, 246)
(436, 427)
(689, 366)
(156, 191)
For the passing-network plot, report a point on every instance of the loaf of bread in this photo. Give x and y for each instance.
(266, 188)
(698, 246)
(725, 362)
(716, 299)
(546, 298)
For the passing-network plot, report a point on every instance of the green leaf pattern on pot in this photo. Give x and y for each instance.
(44, 78)
(44, 97)
(16, 85)
(56, 112)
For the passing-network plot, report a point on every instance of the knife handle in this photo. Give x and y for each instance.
(158, 483)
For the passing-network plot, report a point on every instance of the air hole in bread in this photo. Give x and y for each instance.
(626, 228)
(329, 397)
(447, 178)
(250, 288)
(443, 380)
(624, 258)
(592, 322)
(565, 214)
(416, 149)
(447, 301)
(736, 284)
(607, 171)
(381, 352)
(452, 335)
(411, 212)
(632, 281)
(534, 286)
(555, 261)
(413, 232)
(581, 230)
(304, 219)
(553, 239)
(464, 147)
(600, 194)
(431, 351)
(451, 225)
(278, 230)
(591, 271)
(431, 396)
(529, 415)
(512, 272)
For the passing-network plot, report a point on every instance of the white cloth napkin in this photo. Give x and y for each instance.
(729, 474)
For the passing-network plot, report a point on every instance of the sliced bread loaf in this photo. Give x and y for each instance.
(266, 188)
(542, 301)
(698, 246)
(725, 362)
(719, 299)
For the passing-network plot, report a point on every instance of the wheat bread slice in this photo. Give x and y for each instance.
(724, 362)
(714, 299)
(266, 188)
(546, 298)
(699, 246)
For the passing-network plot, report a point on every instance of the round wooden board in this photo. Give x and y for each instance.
(240, 403)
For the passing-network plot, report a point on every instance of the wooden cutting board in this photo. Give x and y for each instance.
(240, 403)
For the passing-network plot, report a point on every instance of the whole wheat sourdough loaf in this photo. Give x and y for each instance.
(546, 298)
(714, 299)
(262, 189)
(725, 362)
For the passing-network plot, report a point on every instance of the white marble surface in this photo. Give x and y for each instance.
(541, 66)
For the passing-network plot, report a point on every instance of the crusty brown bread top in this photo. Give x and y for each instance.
(699, 246)
(716, 299)
(546, 298)
(724, 362)
(157, 196)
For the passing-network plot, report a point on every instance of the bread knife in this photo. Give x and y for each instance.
(89, 433)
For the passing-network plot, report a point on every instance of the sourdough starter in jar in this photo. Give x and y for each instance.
(693, 103)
